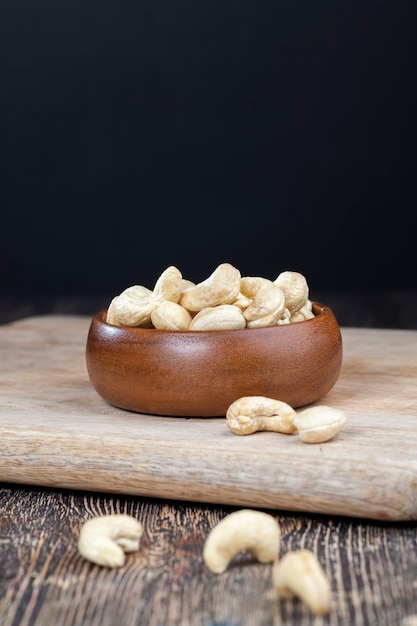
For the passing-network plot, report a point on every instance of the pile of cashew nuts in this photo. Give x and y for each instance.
(105, 540)
(223, 301)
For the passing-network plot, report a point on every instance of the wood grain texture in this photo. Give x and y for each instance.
(56, 431)
(44, 580)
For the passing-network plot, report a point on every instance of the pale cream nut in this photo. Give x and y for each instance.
(134, 306)
(221, 287)
(111, 317)
(105, 540)
(250, 414)
(222, 317)
(169, 285)
(300, 574)
(186, 284)
(245, 530)
(295, 288)
(263, 322)
(305, 313)
(171, 316)
(268, 301)
(242, 301)
(285, 318)
(319, 423)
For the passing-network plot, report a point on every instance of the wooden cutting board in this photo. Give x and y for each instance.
(55, 431)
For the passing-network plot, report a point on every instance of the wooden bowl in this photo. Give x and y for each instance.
(200, 373)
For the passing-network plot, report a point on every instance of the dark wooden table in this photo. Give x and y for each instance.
(372, 566)
(43, 580)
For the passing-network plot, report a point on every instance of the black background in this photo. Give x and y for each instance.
(272, 135)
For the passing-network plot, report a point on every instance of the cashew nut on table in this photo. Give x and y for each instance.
(104, 540)
(319, 423)
(251, 414)
(299, 573)
(178, 304)
(245, 530)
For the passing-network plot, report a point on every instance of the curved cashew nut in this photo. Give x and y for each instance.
(221, 287)
(169, 285)
(251, 414)
(319, 423)
(263, 322)
(305, 313)
(133, 307)
(104, 540)
(295, 288)
(285, 318)
(300, 574)
(253, 531)
(186, 284)
(268, 301)
(111, 317)
(242, 301)
(171, 316)
(222, 317)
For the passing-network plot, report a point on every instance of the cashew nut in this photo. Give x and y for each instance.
(295, 288)
(111, 317)
(268, 301)
(221, 287)
(169, 285)
(104, 540)
(245, 530)
(250, 414)
(222, 317)
(319, 423)
(171, 316)
(300, 574)
(242, 301)
(186, 284)
(134, 306)
(285, 318)
(305, 313)
(263, 322)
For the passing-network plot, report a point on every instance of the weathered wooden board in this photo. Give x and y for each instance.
(56, 431)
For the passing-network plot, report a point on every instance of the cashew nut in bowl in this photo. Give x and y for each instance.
(300, 574)
(111, 317)
(251, 414)
(134, 306)
(267, 304)
(221, 287)
(171, 316)
(169, 285)
(242, 301)
(245, 530)
(305, 313)
(295, 288)
(285, 318)
(105, 540)
(222, 317)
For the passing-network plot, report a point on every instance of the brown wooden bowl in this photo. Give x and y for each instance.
(200, 373)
